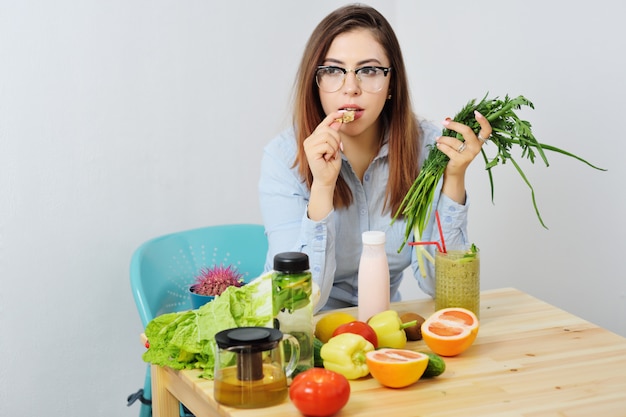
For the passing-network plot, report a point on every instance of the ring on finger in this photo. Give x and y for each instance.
(462, 147)
(483, 140)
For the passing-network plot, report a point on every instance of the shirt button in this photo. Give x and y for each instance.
(362, 212)
(367, 177)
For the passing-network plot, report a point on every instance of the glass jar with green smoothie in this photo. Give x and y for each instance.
(457, 279)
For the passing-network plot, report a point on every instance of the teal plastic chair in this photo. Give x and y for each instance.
(163, 268)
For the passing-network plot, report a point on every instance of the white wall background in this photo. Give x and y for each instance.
(121, 120)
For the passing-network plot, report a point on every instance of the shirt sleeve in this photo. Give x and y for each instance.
(284, 199)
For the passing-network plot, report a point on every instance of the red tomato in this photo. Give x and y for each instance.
(318, 392)
(360, 328)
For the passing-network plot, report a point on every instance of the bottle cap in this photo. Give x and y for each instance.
(291, 262)
(373, 238)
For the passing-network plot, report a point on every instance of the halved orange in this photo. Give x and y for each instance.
(450, 331)
(396, 368)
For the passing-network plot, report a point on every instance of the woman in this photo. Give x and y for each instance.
(324, 182)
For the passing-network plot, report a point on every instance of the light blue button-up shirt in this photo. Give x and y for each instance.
(334, 243)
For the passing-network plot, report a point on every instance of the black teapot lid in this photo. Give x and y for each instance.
(248, 339)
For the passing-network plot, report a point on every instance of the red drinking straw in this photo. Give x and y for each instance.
(426, 243)
(443, 242)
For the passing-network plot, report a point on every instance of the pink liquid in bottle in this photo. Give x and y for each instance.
(373, 277)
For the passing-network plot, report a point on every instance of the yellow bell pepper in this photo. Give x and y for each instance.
(390, 329)
(345, 354)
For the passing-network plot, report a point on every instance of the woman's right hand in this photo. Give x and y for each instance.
(322, 151)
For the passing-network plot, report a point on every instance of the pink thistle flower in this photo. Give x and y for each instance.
(214, 281)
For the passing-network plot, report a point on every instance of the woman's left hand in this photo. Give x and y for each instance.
(461, 154)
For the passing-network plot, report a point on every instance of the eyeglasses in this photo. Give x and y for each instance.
(371, 79)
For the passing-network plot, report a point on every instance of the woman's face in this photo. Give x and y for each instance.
(353, 50)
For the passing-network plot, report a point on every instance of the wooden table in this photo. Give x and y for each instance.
(530, 359)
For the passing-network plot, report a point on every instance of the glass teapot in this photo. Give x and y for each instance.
(250, 368)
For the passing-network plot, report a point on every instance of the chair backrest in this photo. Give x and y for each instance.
(163, 268)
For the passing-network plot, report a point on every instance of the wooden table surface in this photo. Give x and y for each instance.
(529, 359)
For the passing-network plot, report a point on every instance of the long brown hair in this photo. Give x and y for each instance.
(398, 119)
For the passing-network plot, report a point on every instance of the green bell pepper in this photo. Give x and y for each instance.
(345, 354)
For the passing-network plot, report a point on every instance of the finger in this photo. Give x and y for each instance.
(485, 127)
(333, 120)
(333, 139)
(447, 150)
(449, 146)
(464, 130)
(325, 145)
(331, 157)
(330, 152)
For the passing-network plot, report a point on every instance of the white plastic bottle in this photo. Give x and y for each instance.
(373, 276)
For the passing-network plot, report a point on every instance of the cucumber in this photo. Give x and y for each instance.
(436, 365)
(318, 362)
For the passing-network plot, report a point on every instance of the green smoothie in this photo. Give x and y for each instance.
(457, 279)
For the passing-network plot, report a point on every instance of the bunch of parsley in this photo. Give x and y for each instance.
(509, 131)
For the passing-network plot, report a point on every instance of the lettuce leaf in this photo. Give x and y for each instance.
(186, 339)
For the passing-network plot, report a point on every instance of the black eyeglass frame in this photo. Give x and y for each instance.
(345, 71)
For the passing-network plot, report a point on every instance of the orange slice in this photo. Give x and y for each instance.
(396, 368)
(450, 331)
